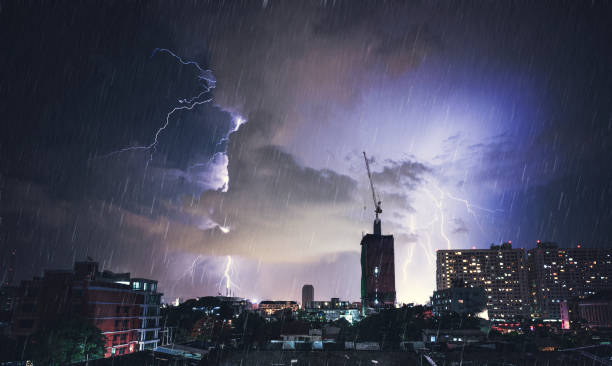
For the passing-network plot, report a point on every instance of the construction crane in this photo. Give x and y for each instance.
(377, 203)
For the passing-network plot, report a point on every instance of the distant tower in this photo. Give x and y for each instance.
(307, 296)
(377, 262)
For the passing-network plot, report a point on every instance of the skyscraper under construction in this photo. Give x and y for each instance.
(377, 262)
(377, 269)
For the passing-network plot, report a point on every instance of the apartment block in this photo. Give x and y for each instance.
(500, 271)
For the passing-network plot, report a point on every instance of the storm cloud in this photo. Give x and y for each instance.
(480, 131)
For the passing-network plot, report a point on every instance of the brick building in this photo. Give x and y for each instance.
(126, 310)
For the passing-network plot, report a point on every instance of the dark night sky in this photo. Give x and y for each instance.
(486, 121)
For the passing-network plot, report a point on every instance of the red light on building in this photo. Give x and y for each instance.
(578, 246)
(538, 241)
(509, 241)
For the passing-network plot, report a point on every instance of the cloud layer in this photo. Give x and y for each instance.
(484, 123)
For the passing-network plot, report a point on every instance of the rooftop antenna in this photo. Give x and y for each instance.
(377, 210)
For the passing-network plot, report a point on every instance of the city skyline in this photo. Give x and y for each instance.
(521, 261)
(214, 146)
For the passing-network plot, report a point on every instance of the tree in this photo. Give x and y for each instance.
(347, 331)
(392, 326)
(67, 340)
(341, 323)
(251, 329)
(185, 316)
(385, 327)
(457, 321)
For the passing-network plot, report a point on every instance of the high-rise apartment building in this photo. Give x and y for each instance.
(558, 275)
(500, 271)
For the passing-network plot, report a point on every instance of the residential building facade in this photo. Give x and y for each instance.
(149, 320)
(125, 311)
(558, 275)
(500, 271)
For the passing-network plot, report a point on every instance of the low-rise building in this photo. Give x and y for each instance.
(453, 336)
(332, 310)
(459, 299)
(331, 315)
(238, 304)
(596, 310)
(333, 303)
(269, 307)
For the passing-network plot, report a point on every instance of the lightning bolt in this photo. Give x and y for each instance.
(408, 261)
(238, 121)
(207, 83)
(227, 275)
(439, 202)
(436, 224)
(470, 208)
(191, 269)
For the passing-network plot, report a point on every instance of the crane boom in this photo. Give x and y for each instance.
(377, 209)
